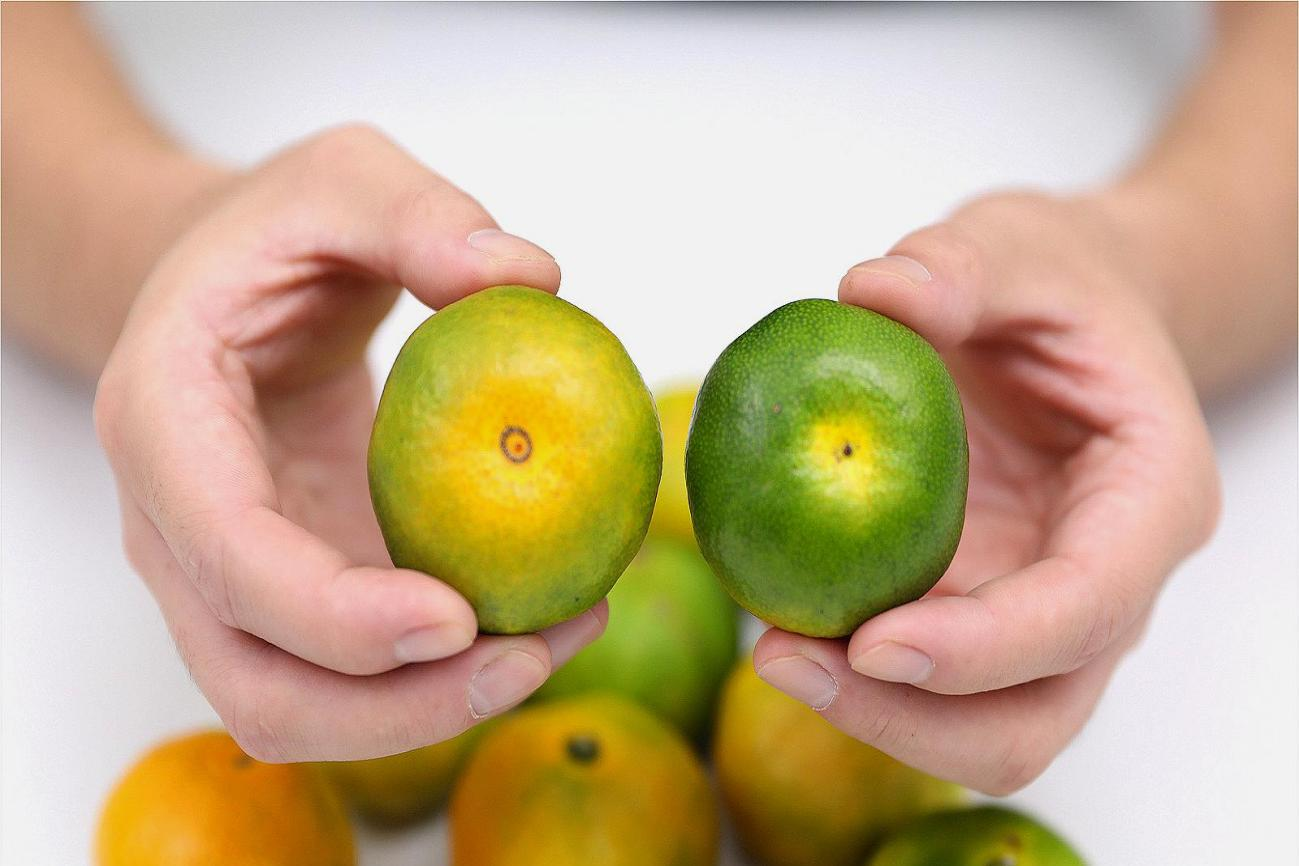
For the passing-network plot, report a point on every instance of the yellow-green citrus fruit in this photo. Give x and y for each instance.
(672, 510)
(801, 792)
(198, 800)
(588, 780)
(401, 789)
(671, 639)
(827, 467)
(987, 836)
(515, 456)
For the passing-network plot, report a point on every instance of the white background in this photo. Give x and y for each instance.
(691, 168)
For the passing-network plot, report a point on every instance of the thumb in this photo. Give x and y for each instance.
(934, 281)
(376, 206)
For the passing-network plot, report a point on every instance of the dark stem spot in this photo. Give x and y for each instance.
(516, 444)
(583, 748)
(847, 449)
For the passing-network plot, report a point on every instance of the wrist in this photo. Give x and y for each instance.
(1154, 234)
(159, 190)
(141, 198)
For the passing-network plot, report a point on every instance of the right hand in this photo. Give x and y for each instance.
(236, 409)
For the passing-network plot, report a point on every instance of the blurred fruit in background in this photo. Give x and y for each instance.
(402, 789)
(671, 510)
(593, 779)
(198, 800)
(802, 793)
(671, 639)
(987, 836)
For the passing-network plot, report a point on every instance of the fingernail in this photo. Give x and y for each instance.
(432, 642)
(567, 638)
(801, 678)
(896, 267)
(504, 681)
(504, 247)
(895, 663)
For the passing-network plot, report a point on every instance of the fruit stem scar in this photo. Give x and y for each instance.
(516, 444)
(583, 748)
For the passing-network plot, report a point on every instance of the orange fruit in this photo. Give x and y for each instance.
(588, 781)
(198, 800)
(515, 455)
(801, 792)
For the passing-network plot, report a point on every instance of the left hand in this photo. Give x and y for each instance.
(1091, 477)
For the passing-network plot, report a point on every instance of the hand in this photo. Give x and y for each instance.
(236, 410)
(1091, 477)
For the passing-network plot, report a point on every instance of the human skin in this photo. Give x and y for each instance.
(236, 405)
(1078, 331)
(1078, 328)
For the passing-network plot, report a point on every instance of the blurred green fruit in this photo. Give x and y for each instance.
(987, 836)
(801, 792)
(670, 642)
(401, 789)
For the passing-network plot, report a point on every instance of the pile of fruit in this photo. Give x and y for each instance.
(823, 427)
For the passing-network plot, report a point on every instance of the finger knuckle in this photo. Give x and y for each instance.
(1017, 765)
(432, 201)
(884, 728)
(137, 549)
(257, 725)
(338, 156)
(108, 410)
(1210, 500)
(959, 249)
(1107, 616)
(349, 141)
(202, 553)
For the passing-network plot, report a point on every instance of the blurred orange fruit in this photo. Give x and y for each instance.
(198, 800)
(594, 780)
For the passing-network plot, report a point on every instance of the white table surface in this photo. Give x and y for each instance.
(691, 168)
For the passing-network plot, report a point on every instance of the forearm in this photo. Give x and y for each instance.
(92, 193)
(1209, 214)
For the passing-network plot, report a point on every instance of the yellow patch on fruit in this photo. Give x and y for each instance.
(672, 509)
(511, 463)
(838, 460)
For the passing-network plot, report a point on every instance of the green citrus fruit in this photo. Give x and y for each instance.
(670, 642)
(672, 510)
(401, 789)
(801, 792)
(588, 780)
(987, 836)
(515, 455)
(827, 467)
